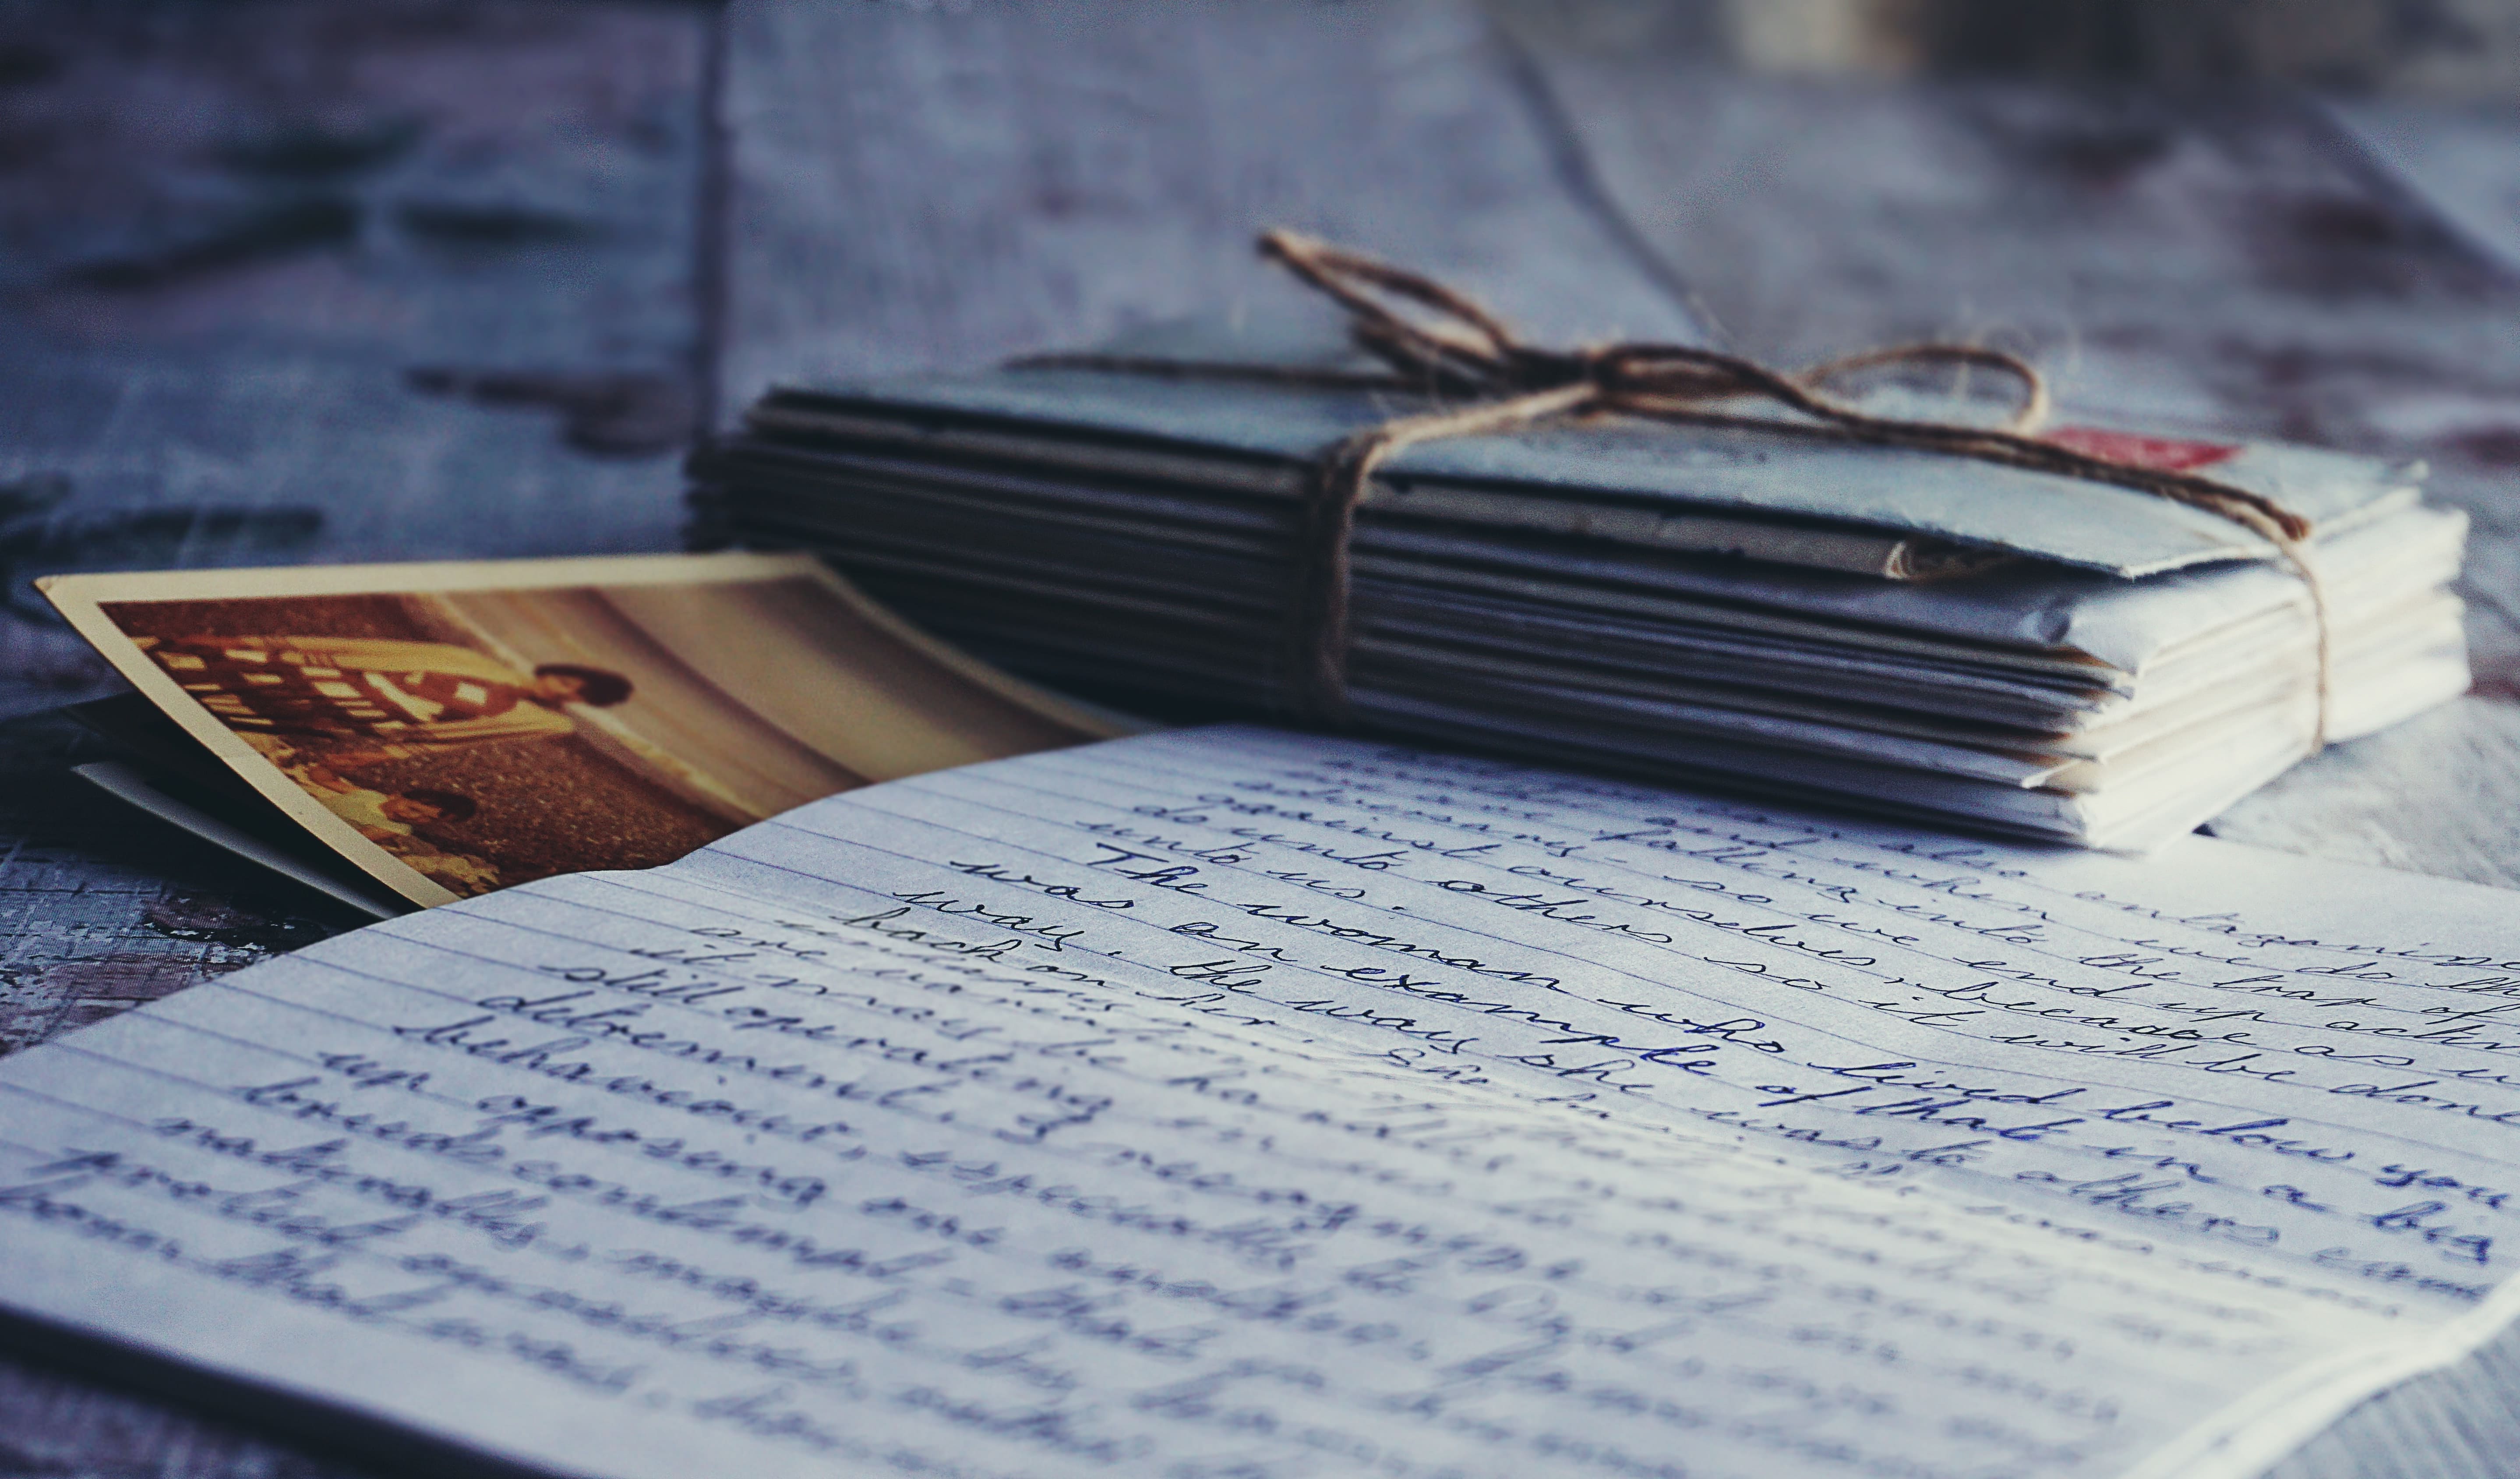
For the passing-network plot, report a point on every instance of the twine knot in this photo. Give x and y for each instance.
(1451, 347)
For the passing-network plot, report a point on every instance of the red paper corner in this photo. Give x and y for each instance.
(2160, 453)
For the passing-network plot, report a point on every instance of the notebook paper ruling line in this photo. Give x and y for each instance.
(1236, 1098)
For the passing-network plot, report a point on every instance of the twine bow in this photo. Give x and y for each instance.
(1454, 348)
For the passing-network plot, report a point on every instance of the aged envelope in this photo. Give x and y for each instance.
(456, 728)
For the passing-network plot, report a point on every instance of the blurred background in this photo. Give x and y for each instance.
(379, 279)
(340, 280)
(287, 281)
(2435, 48)
(353, 280)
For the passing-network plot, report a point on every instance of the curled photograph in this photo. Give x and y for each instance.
(457, 729)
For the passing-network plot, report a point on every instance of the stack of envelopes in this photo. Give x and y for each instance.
(1906, 630)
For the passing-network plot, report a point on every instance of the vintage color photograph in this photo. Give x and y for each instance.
(459, 729)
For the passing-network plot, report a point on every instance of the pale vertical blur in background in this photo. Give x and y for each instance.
(2431, 48)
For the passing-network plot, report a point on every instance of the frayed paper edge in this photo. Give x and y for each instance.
(2245, 1438)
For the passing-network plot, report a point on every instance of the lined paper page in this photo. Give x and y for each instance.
(1031, 1118)
(2274, 1068)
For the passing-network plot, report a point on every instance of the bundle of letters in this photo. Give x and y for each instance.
(1928, 636)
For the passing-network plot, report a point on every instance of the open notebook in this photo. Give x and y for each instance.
(1234, 1102)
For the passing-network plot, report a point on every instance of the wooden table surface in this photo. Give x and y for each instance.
(292, 280)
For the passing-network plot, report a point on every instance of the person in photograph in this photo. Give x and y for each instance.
(456, 872)
(383, 815)
(397, 820)
(393, 694)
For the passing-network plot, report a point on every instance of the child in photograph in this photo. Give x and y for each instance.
(381, 815)
(395, 820)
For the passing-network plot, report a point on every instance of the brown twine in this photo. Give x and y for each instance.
(1456, 348)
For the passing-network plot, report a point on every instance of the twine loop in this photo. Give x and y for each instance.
(1450, 347)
